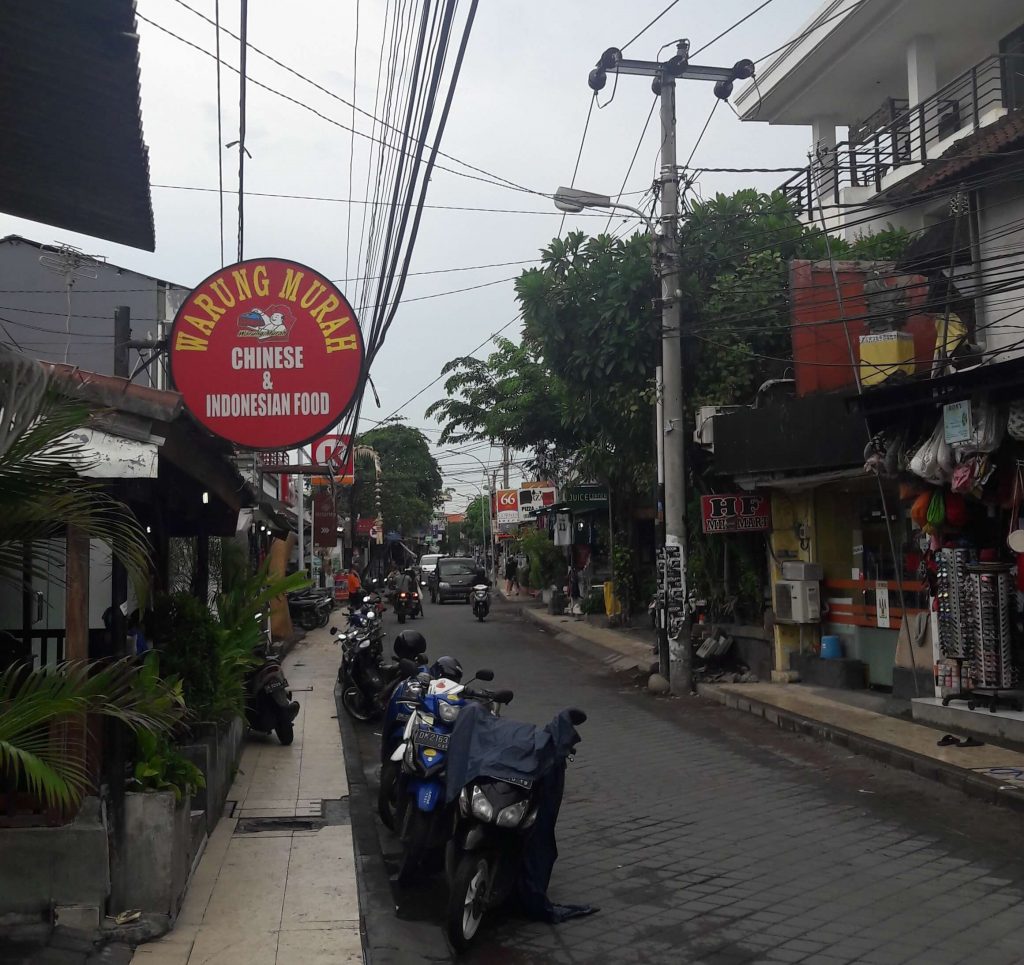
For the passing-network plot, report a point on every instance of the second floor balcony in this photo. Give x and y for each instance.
(900, 139)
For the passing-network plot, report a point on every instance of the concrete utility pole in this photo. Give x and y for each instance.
(673, 440)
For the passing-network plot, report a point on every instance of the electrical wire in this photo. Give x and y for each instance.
(636, 152)
(489, 175)
(703, 131)
(243, 50)
(352, 145)
(579, 154)
(728, 30)
(795, 40)
(220, 131)
(644, 30)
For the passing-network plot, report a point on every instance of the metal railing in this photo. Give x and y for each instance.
(913, 137)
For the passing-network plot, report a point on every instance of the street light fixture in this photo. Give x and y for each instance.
(575, 200)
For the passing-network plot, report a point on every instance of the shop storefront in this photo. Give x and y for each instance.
(956, 447)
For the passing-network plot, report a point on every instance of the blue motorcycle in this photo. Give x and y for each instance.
(421, 814)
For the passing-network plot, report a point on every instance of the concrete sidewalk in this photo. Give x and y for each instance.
(989, 772)
(277, 882)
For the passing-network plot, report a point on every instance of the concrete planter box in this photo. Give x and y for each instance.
(150, 869)
(215, 749)
(45, 867)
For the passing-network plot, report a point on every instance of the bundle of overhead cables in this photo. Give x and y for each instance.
(416, 84)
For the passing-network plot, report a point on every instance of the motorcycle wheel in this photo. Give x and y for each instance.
(325, 618)
(308, 620)
(387, 794)
(284, 728)
(415, 838)
(467, 900)
(355, 704)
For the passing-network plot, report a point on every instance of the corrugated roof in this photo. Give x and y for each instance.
(977, 148)
(74, 154)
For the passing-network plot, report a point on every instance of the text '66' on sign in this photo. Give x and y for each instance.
(266, 353)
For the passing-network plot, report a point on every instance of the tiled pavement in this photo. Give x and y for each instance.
(707, 836)
(264, 894)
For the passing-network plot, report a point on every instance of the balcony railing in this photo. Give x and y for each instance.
(885, 143)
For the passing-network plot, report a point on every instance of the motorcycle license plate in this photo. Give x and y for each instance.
(427, 738)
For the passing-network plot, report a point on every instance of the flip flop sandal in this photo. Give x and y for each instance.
(947, 740)
(970, 742)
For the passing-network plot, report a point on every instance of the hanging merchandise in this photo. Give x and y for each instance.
(956, 510)
(919, 511)
(937, 509)
(956, 637)
(987, 429)
(1015, 539)
(934, 459)
(1015, 421)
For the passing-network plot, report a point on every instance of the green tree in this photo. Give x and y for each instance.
(411, 486)
(476, 524)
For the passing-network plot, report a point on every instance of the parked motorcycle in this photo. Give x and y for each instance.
(268, 699)
(359, 675)
(506, 811)
(310, 610)
(481, 601)
(420, 812)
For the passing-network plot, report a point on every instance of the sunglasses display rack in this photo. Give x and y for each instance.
(990, 594)
(956, 637)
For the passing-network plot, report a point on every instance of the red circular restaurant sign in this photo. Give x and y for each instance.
(266, 353)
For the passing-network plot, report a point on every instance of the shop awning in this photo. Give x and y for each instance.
(74, 154)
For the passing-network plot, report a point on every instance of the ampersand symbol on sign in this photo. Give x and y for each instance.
(267, 382)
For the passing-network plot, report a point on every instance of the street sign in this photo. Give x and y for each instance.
(329, 453)
(736, 513)
(266, 354)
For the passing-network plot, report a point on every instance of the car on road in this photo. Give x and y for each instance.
(454, 579)
(426, 565)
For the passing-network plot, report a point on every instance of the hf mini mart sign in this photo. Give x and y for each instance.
(266, 354)
(736, 513)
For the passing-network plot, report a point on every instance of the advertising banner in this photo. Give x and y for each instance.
(266, 353)
(534, 498)
(508, 505)
(736, 513)
(325, 520)
(586, 496)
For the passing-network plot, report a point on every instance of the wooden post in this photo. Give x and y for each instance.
(76, 595)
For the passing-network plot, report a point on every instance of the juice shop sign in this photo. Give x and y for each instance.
(266, 353)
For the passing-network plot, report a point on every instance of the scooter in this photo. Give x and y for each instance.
(481, 601)
(268, 700)
(360, 675)
(492, 832)
(309, 610)
(421, 813)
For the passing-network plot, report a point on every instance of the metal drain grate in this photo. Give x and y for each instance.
(333, 812)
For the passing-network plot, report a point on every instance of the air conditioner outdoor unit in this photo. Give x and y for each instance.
(704, 434)
(797, 601)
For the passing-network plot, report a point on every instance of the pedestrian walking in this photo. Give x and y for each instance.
(511, 575)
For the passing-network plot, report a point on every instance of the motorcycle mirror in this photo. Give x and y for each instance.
(503, 697)
(485, 675)
(334, 630)
(577, 716)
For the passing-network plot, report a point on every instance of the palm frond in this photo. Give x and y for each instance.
(34, 699)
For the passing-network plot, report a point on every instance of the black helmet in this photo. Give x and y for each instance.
(447, 667)
(409, 644)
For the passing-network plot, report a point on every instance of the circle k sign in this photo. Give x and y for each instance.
(266, 353)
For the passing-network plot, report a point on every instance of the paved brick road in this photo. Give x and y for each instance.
(708, 836)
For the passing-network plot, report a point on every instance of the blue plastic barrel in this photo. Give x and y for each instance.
(831, 647)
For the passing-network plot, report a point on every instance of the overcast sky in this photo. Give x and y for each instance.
(518, 112)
